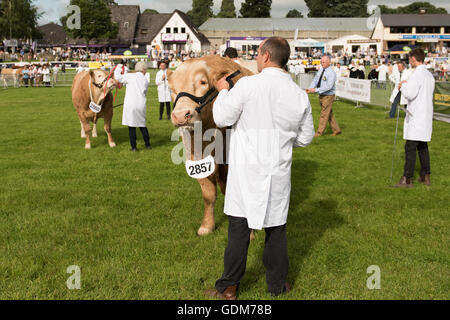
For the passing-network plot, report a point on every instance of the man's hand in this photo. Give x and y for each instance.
(223, 84)
(400, 84)
(164, 77)
(311, 90)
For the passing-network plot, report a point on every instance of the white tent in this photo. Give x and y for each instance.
(351, 43)
(308, 43)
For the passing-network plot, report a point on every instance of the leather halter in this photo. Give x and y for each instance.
(209, 96)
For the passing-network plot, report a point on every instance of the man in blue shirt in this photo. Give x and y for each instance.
(324, 84)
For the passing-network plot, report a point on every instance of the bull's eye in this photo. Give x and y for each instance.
(202, 82)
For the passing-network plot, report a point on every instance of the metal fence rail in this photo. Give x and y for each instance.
(61, 79)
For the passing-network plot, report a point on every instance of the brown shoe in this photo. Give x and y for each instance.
(336, 133)
(425, 180)
(404, 183)
(228, 294)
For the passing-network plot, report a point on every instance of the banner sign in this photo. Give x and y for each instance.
(425, 36)
(442, 97)
(353, 89)
(174, 37)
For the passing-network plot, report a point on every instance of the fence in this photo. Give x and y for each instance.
(61, 79)
(380, 93)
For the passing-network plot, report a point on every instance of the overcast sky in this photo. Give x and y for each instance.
(53, 9)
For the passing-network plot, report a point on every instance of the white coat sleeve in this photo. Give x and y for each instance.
(229, 105)
(306, 129)
(119, 76)
(410, 89)
(158, 79)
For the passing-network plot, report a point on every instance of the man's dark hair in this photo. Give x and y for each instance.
(230, 53)
(417, 53)
(278, 49)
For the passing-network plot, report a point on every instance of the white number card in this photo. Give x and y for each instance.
(95, 107)
(200, 169)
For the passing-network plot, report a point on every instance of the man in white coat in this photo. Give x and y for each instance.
(417, 129)
(164, 96)
(382, 75)
(135, 103)
(399, 73)
(269, 115)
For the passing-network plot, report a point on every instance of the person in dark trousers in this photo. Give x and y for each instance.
(258, 185)
(164, 96)
(135, 103)
(417, 129)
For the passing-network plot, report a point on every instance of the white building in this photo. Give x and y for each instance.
(173, 31)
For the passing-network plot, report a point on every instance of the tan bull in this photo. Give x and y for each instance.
(93, 86)
(197, 77)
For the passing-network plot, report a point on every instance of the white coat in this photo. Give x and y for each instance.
(135, 103)
(396, 78)
(270, 115)
(163, 86)
(419, 91)
(382, 72)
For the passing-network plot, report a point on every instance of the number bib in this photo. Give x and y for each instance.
(200, 169)
(95, 107)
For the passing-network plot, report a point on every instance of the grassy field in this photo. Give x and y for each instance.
(129, 220)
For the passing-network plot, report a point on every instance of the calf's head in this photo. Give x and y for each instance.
(102, 84)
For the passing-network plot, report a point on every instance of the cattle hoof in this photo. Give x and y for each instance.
(94, 135)
(112, 145)
(87, 146)
(203, 231)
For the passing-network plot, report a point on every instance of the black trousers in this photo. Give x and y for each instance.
(161, 109)
(132, 133)
(275, 257)
(410, 158)
(394, 105)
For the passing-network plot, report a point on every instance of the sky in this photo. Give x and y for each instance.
(53, 9)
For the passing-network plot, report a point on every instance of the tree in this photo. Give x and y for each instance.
(201, 11)
(294, 13)
(150, 11)
(337, 8)
(19, 19)
(227, 9)
(413, 8)
(256, 8)
(95, 21)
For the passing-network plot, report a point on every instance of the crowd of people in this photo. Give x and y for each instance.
(370, 66)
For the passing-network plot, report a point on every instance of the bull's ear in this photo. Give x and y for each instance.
(91, 73)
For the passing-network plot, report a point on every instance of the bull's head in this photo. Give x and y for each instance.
(197, 77)
(102, 84)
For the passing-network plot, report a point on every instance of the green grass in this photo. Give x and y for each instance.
(129, 220)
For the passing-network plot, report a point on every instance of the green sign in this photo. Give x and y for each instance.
(442, 97)
(128, 53)
(407, 49)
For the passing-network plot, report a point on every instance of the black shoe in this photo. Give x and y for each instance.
(286, 289)
(148, 147)
(133, 150)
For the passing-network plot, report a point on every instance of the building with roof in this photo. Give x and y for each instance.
(173, 31)
(251, 31)
(165, 31)
(429, 31)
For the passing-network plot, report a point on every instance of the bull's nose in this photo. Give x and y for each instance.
(180, 117)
